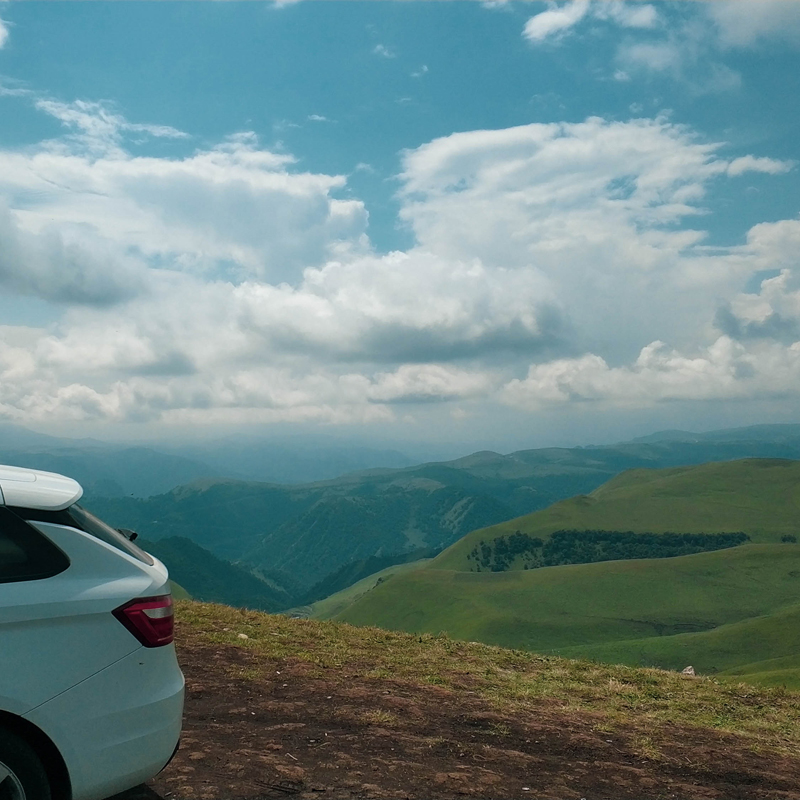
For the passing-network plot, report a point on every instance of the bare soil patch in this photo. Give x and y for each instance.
(260, 726)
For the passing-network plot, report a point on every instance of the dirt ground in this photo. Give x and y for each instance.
(296, 735)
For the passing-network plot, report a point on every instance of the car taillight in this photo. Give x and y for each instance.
(149, 619)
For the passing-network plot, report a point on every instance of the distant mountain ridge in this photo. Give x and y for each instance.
(313, 530)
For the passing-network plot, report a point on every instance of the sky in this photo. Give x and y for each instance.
(489, 224)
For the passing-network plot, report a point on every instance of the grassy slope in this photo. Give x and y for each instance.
(758, 496)
(733, 611)
(771, 640)
(549, 609)
(334, 604)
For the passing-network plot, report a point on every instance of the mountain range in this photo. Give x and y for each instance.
(309, 531)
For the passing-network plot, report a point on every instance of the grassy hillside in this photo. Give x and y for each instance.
(732, 611)
(278, 706)
(509, 678)
(553, 608)
(772, 640)
(758, 496)
(331, 606)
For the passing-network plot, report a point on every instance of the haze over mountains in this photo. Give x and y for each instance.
(312, 530)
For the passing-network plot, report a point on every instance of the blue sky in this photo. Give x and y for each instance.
(492, 223)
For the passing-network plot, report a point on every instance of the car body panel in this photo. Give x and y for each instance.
(36, 489)
(58, 631)
(118, 728)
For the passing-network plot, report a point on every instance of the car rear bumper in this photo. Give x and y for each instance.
(123, 723)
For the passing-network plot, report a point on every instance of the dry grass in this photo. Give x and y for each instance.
(509, 680)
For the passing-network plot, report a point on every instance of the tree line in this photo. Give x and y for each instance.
(586, 547)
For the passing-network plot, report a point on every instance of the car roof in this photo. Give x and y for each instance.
(33, 488)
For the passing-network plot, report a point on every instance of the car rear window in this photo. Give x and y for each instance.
(78, 517)
(25, 554)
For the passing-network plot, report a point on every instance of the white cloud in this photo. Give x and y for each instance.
(560, 19)
(551, 262)
(63, 268)
(743, 23)
(627, 14)
(99, 129)
(555, 21)
(235, 209)
(770, 166)
(725, 370)
(383, 51)
(3, 33)
(685, 47)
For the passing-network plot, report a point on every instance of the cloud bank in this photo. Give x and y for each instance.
(553, 264)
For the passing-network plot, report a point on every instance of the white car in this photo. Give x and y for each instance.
(91, 695)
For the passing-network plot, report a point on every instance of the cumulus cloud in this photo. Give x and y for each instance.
(555, 21)
(774, 311)
(741, 23)
(236, 208)
(723, 371)
(593, 208)
(63, 268)
(553, 263)
(558, 20)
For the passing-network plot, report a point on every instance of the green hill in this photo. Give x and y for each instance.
(557, 607)
(732, 611)
(329, 607)
(313, 530)
(760, 497)
(773, 639)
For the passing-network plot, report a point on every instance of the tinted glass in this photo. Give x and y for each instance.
(25, 554)
(78, 517)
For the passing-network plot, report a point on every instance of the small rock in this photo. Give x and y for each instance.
(243, 636)
(688, 671)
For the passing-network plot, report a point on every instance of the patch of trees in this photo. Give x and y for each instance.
(586, 547)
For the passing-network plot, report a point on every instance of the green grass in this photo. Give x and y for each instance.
(613, 610)
(336, 603)
(733, 612)
(758, 496)
(509, 680)
(772, 641)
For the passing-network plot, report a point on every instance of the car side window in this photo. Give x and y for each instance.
(78, 517)
(25, 554)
